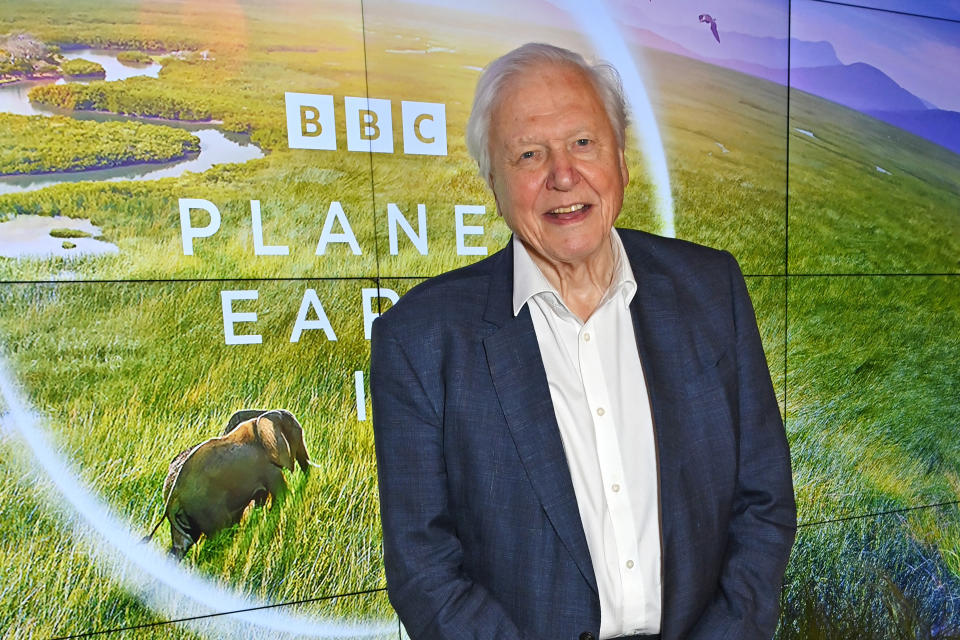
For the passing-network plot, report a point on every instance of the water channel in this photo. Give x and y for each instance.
(216, 146)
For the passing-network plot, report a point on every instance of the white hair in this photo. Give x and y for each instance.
(603, 77)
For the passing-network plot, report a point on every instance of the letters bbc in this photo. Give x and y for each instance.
(312, 122)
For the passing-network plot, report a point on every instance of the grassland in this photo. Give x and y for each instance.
(866, 197)
(862, 366)
(38, 144)
(871, 418)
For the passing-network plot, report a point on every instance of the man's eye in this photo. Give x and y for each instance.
(526, 155)
(582, 142)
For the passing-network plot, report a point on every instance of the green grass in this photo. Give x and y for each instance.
(846, 216)
(143, 219)
(40, 144)
(69, 233)
(160, 349)
(869, 580)
(872, 415)
(872, 388)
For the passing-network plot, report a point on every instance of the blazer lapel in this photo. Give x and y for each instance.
(667, 358)
(516, 368)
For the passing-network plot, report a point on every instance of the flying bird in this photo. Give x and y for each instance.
(710, 20)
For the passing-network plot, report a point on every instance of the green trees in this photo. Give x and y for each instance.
(81, 67)
(135, 96)
(133, 58)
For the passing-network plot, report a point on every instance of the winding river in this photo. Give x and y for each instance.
(216, 146)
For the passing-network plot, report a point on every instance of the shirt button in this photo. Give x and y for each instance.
(629, 564)
(586, 337)
(600, 411)
(615, 488)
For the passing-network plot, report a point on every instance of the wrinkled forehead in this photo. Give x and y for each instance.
(537, 79)
(535, 89)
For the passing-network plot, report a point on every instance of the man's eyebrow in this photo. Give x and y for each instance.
(583, 132)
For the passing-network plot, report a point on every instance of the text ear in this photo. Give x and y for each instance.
(274, 443)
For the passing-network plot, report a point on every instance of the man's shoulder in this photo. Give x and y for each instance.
(461, 292)
(672, 256)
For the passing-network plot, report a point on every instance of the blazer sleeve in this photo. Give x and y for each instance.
(762, 526)
(423, 556)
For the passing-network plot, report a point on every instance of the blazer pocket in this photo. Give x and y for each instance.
(716, 371)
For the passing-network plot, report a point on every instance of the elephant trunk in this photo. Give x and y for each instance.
(149, 536)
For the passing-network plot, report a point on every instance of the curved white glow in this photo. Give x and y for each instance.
(165, 586)
(592, 18)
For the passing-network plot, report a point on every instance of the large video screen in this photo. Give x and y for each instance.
(205, 205)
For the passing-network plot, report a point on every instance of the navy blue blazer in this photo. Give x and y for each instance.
(482, 535)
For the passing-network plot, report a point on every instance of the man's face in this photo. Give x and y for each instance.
(557, 172)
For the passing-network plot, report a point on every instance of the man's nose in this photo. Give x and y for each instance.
(562, 171)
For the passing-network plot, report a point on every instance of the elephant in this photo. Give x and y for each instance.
(177, 462)
(208, 486)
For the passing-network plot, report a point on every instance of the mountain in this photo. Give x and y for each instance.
(936, 125)
(814, 68)
(859, 86)
(812, 54)
(763, 57)
(648, 38)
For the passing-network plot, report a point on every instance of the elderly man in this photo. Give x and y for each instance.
(577, 437)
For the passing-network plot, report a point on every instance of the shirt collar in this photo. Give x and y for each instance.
(529, 281)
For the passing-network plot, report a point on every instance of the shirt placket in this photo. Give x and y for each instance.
(611, 463)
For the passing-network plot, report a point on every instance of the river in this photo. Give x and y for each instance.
(216, 146)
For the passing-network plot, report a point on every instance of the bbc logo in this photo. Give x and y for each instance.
(311, 124)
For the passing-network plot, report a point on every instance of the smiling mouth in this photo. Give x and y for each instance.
(570, 211)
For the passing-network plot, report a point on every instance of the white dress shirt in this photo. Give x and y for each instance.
(600, 400)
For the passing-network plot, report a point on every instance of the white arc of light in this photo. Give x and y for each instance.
(163, 583)
(593, 19)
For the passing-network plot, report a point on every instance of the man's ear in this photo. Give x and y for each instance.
(624, 172)
(494, 192)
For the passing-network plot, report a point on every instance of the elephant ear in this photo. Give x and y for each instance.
(294, 433)
(274, 443)
(241, 416)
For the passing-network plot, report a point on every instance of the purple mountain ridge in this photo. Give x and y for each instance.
(936, 125)
(859, 86)
(752, 67)
(814, 68)
(812, 54)
(760, 56)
